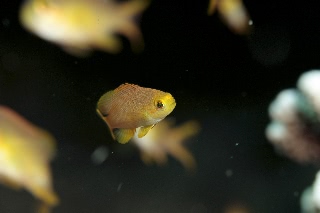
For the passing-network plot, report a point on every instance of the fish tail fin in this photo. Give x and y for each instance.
(123, 135)
(134, 9)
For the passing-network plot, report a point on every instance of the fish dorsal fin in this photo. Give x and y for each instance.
(104, 103)
(144, 130)
(123, 135)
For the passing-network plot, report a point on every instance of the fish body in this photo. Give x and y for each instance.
(168, 139)
(79, 26)
(233, 13)
(130, 106)
(25, 153)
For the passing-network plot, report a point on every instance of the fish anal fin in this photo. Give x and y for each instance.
(110, 44)
(80, 52)
(123, 135)
(144, 130)
(10, 182)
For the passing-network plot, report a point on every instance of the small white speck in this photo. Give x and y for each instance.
(237, 144)
(229, 173)
(119, 187)
(250, 22)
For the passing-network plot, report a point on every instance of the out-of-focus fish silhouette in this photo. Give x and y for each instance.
(79, 26)
(166, 139)
(25, 152)
(130, 106)
(295, 127)
(310, 198)
(233, 13)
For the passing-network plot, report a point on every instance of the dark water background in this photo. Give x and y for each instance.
(224, 81)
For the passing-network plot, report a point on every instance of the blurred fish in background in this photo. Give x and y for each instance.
(166, 138)
(233, 13)
(310, 199)
(237, 208)
(295, 127)
(80, 26)
(25, 153)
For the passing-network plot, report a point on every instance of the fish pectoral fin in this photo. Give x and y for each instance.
(123, 135)
(80, 52)
(144, 130)
(110, 44)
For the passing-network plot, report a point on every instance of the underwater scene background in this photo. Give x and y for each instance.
(222, 80)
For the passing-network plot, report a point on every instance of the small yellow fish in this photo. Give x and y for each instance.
(79, 26)
(25, 152)
(130, 106)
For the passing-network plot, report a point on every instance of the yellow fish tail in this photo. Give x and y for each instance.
(130, 29)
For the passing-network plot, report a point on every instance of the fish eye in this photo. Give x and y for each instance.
(159, 105)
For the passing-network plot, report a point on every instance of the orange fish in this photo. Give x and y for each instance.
(130, 106)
